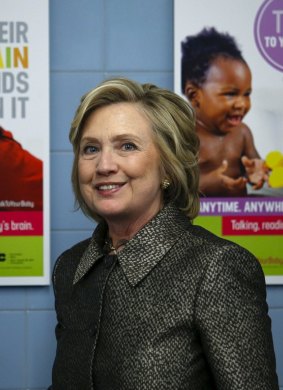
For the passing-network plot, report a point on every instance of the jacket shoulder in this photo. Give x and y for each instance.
(67, 263)
(216, 253)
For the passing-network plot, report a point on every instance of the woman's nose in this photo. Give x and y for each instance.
(106, 163)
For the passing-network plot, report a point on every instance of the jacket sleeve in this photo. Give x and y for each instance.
(233, 322)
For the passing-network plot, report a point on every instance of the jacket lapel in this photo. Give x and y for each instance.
(149, 246)
(92, 253)
(144, 251)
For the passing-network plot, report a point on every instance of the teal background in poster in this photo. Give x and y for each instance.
(89, 41)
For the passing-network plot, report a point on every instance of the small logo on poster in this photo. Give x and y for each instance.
(268, 30)
(2, 256)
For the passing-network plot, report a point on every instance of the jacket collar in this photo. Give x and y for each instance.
(145, 250)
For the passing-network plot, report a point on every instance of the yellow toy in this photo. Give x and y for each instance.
(274, 161)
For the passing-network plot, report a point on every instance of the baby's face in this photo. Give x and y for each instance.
(224, 98)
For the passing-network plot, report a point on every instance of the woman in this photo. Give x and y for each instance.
(151, 301)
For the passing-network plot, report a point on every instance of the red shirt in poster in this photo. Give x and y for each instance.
(21, 181)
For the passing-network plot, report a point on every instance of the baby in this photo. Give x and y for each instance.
(218, 82)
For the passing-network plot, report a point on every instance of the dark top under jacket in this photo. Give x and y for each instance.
(177, 309)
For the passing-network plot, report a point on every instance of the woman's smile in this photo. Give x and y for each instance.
(106, 188)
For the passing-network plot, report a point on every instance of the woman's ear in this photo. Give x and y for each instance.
(192, 94)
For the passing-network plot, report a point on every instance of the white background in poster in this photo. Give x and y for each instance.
(29, 130)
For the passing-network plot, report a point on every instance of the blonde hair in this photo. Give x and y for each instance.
(173, 125)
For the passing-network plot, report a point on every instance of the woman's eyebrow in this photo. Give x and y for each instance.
(117, 137)
(127, 136)
(88, 139)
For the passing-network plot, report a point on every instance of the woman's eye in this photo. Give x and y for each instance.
(89, 149)
(128, 146)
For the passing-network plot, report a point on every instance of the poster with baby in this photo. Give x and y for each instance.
(24, 142)
(228, 62)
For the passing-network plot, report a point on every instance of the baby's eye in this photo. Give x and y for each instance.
(230, 93)
(128, 146)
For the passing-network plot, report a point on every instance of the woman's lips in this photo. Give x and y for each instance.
(108, 189)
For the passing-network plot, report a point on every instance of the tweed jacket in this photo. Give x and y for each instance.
(181, 309)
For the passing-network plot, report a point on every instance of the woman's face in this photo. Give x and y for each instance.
(119, 165)
(224, 98)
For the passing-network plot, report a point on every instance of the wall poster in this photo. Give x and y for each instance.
(239, 109)
(24, 142)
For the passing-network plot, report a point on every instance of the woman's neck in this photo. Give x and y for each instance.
(125, 230)
(118, 233)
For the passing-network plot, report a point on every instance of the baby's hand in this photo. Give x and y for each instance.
(256, 170)
(228, 182)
